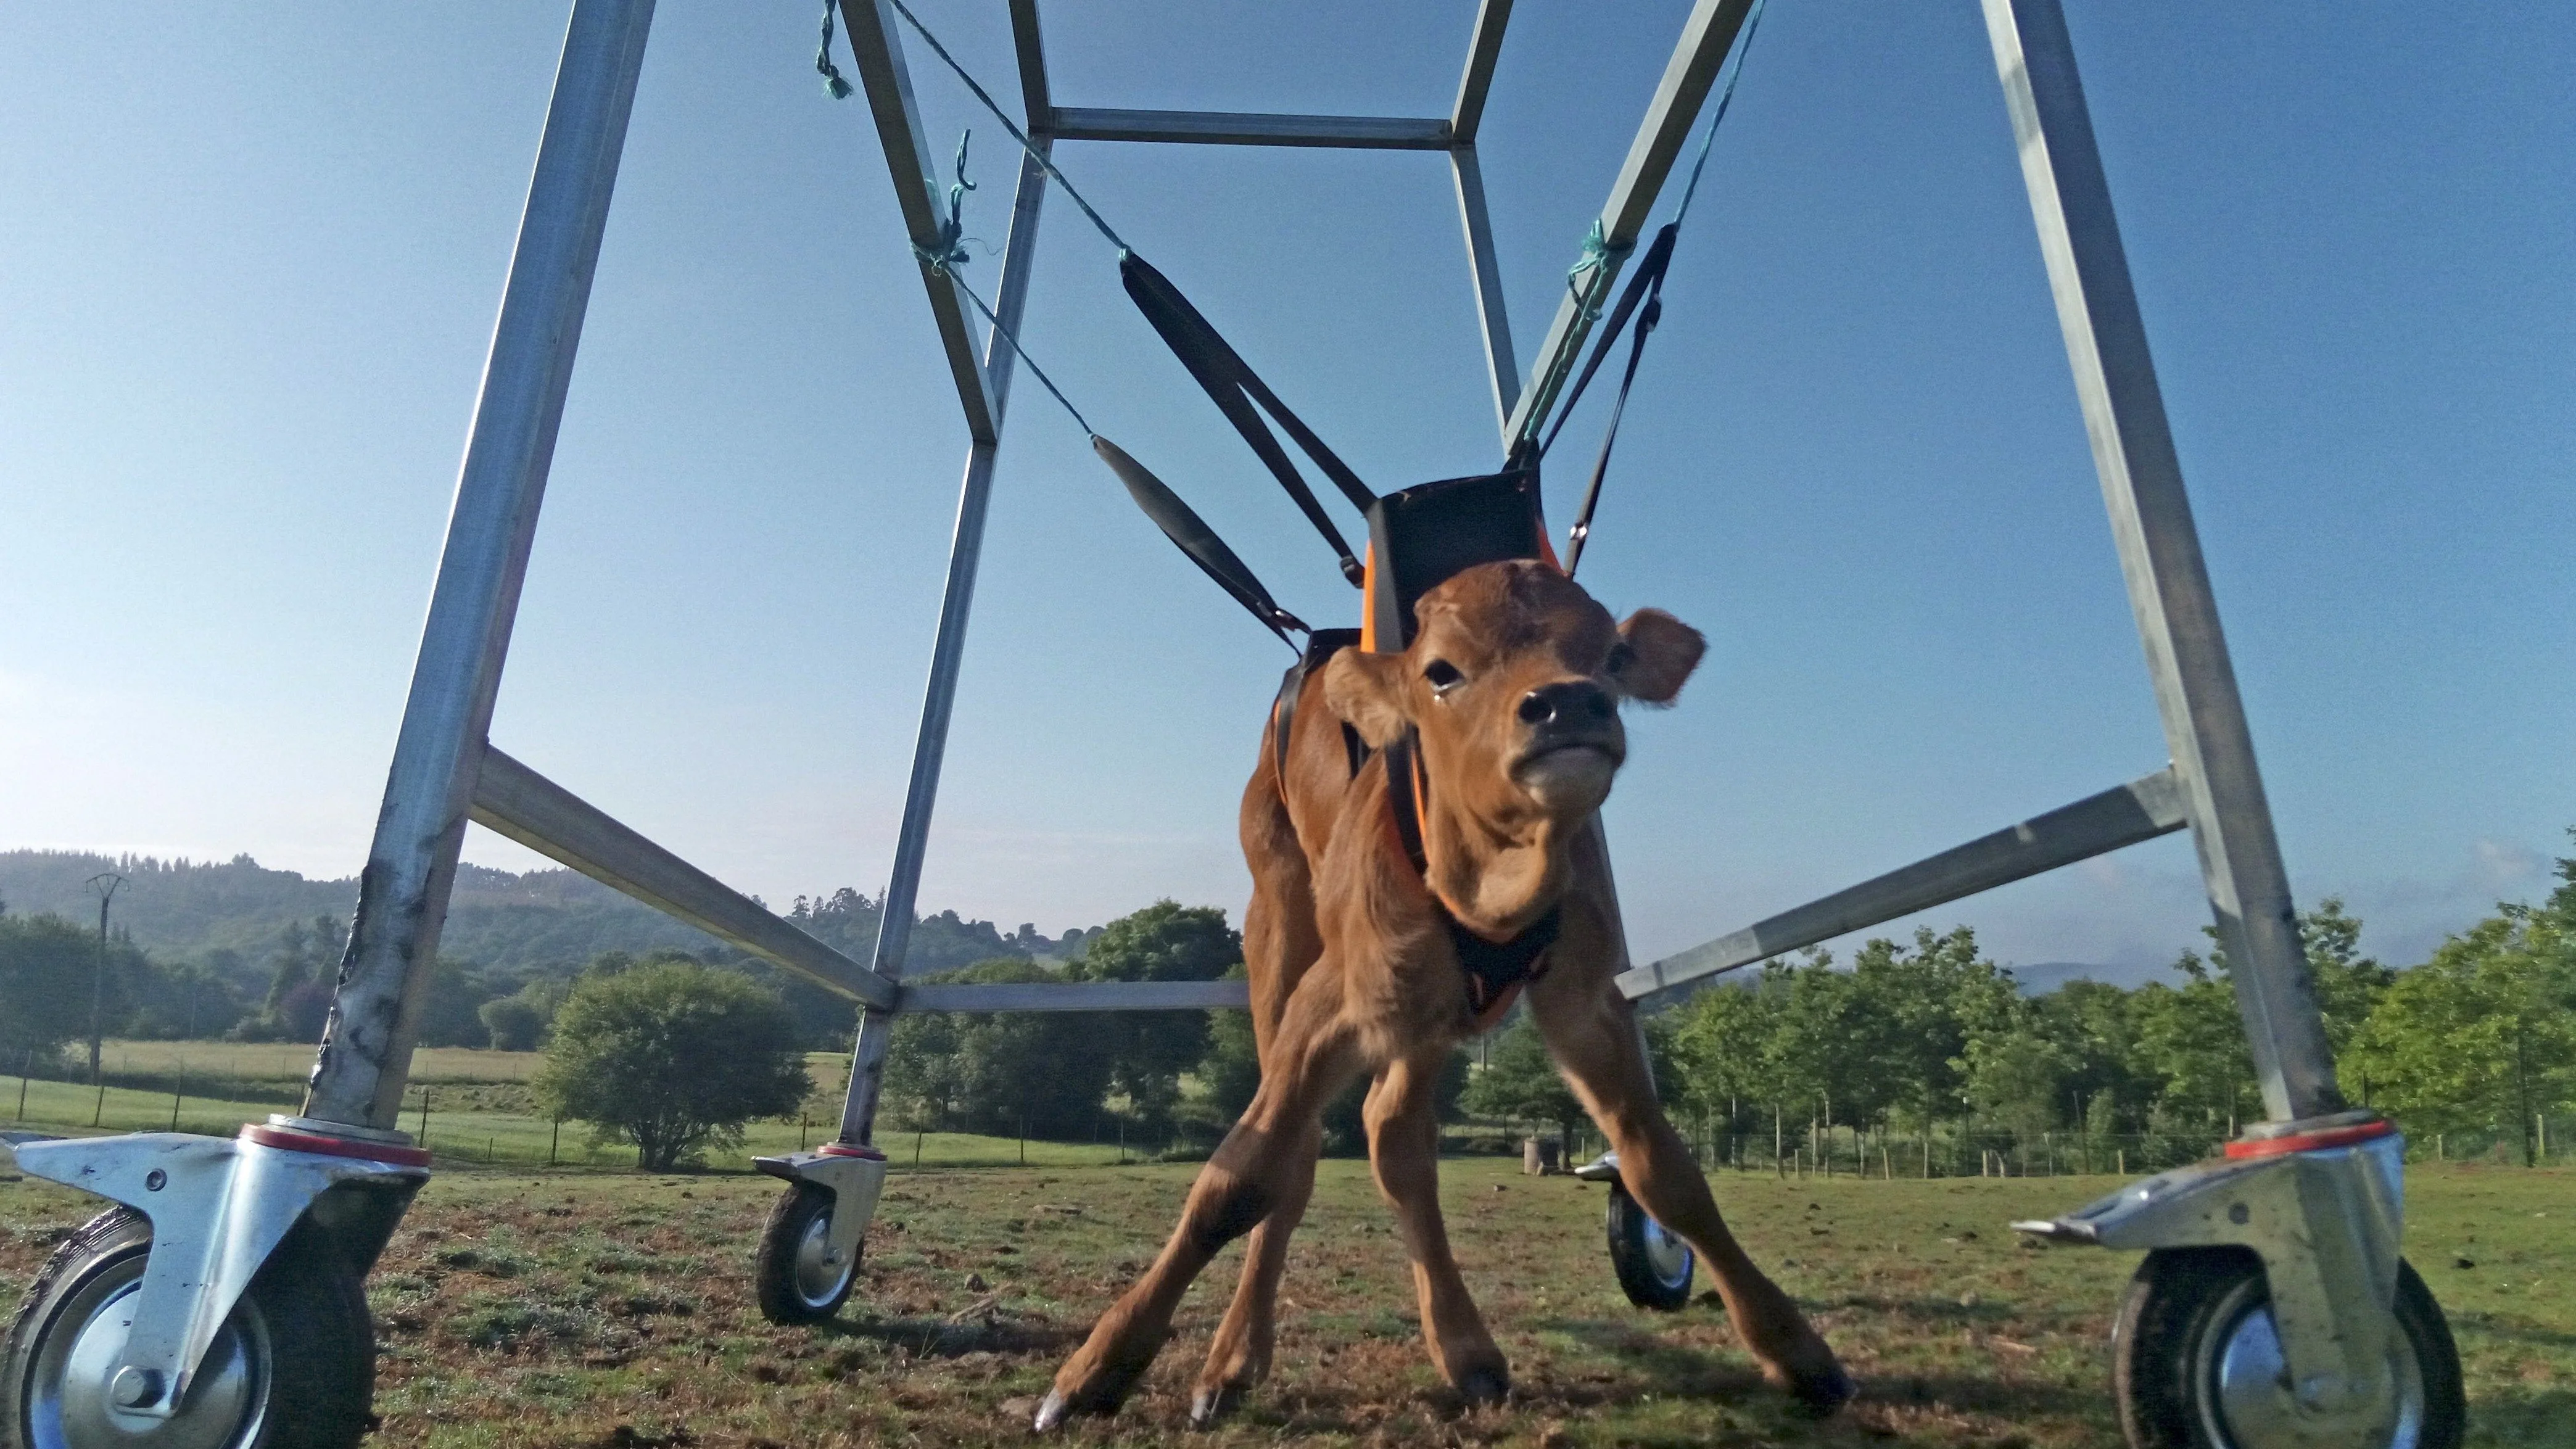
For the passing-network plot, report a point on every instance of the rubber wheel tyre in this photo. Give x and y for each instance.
(293, 1367)
(796, 1280)
(1654, 1266)
(2196, 1362)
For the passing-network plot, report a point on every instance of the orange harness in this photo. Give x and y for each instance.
(1496, 970)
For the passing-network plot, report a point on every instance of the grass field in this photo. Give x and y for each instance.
(608, 1308)
(481, 1111)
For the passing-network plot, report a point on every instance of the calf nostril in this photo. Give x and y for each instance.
(1596, 703)
(1537, 708)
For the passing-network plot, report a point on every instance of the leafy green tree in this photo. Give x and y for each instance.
(46, 966)
(1519, 1083)
(1149, 1051)
(674, 1057)
(2485, 1032)
(518, 1022)
(1722, 1051)
(2015, 1077)
(1927, 1004)
(2097, 1034)
(1044, 1072)
(1230, 1073)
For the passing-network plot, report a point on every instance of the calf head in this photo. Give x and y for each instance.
(1513, 683)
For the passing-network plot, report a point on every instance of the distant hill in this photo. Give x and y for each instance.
(506, 924)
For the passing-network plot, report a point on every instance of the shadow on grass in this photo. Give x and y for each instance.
(1669, 1369)
(997, 1331)
(2488, 1325)
(2523, 1416)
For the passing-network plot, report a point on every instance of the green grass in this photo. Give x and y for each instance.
(610, 1307)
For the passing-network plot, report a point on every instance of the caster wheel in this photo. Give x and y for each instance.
(294, 1367)
(1654, 1266)
(797, 1279)
(2196, 1362)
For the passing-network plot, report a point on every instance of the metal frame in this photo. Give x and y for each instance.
(444, 772)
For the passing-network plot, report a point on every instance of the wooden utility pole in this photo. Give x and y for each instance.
(98, 980)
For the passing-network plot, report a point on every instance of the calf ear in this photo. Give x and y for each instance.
(1367, 690)
(1662, 652)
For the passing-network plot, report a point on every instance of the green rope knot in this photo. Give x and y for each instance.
(1589, 278)
(950, 253)
(833, 86)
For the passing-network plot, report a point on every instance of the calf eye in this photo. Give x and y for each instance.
(1621, 656)
(1442, 676)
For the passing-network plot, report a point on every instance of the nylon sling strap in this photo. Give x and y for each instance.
(1643, 298)
(1233, 386)
(1190, 533)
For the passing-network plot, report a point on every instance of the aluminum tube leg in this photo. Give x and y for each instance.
(2133, 450)
(1502, 364)
(402, 894)
(947, 651)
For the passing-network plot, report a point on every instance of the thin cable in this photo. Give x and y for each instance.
(1725, 98)
(1016, 133)
(1004, 333)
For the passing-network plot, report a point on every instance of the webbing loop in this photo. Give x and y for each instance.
(1233, 386)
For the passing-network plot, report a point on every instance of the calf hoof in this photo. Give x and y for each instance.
(1100, 1397)
(1484, 1385)
(1211, 1404)
(1820, 1389)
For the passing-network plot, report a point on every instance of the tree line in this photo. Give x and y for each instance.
(1929, 1050)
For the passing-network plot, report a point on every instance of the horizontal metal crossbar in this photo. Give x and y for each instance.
(2140, 810)
(1249, 128)
(1078, 996)
(545, 817)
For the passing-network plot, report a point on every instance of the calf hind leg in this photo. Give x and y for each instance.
(1595, 1044)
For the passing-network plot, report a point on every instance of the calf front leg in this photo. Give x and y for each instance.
(1592, 1033)
(1404, 1150)
(1311, 1057)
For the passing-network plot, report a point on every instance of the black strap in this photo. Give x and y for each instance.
(1492, 967)
(1192, 535)
(1644, 298)
(1232, 385)
(1321, 645)
(1403, 763)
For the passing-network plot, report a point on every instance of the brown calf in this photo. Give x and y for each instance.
(1508, 698)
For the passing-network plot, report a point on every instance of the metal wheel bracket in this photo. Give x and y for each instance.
(218, 1207)
(854, 1183)
(1604, 1168)
(2326, 1223)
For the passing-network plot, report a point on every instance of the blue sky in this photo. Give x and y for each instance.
(249, 259)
